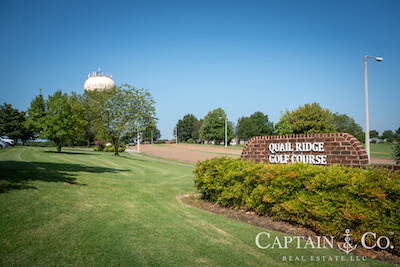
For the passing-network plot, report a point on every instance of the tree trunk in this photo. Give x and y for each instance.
(116, 141)
(58, 147)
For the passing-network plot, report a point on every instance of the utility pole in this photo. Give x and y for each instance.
(367, 141)
(176, 133)
(138, 140)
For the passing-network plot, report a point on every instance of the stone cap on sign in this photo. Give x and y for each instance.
(318, 149)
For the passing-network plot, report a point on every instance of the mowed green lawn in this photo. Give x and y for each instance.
(84, 208)
(382, 151)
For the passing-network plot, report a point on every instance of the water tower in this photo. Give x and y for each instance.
(99, 81)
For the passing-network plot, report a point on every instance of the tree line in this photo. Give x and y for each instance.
(307, 119)
(114, 115)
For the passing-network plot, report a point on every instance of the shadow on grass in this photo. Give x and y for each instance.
(67, 152)
(16, 175)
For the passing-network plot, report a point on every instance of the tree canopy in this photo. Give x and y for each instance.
(213, 127)
(12, 123)
(283, 127)
(196, 129)
(36, 111)
(147, 133)
(186, 128)
(374, 134)
(120, 111)
(64, 119)
(310, 119)
(246, 128)
(346, 124)
(264, 126)
(388, 135)
(257, 124)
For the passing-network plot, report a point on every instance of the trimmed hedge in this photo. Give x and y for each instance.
(326, 199)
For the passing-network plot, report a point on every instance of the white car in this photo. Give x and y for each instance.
(7, 140)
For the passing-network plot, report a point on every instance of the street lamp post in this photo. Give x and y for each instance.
(226, 130)
(367, 144)
(138, 139)
(176, 133)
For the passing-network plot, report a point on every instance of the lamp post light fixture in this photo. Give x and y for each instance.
(226, 130)
(367, 144)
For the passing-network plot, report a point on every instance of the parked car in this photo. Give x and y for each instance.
(132, 143)
(3, 145)
(7, 140)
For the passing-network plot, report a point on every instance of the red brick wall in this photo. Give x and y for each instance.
(339, 148)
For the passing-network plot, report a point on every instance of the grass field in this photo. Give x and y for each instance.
(84, 208)
(381, 151)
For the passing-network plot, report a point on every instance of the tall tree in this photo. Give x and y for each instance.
(388, 135)
(36, 111)
(264, 126)
(147, 133)
(12, 122)
(283, 127)
(213, 128)
(196, 129)
(120, 111)
(93, 125)
(246, 128)
(310, 119)
(64, 120)
(186, 127)
(27, 133)
(374, 134)
(346, 124)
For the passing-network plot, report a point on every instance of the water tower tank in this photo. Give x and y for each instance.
(99, 81)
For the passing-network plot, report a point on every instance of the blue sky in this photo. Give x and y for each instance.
(195, 56)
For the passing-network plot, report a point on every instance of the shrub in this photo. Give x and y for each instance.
(121, 149)
(101, 144)
(96, 148)
(109, 148)
(326, 199)
(190, 141)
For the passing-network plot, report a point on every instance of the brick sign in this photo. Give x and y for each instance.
(317, 149)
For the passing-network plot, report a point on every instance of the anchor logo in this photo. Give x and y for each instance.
(347, 246)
